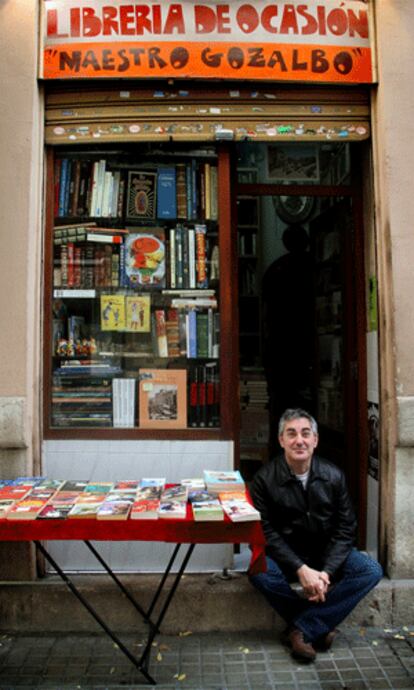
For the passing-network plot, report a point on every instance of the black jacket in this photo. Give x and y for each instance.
(316, 526)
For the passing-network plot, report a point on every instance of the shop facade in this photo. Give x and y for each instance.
(355, 133)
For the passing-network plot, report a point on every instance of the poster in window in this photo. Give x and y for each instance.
(293, 163)
(163, 398)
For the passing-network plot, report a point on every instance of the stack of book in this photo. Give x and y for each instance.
(118, 501)
(173, 503)
(89, 500)
(147, 499)
(205, 506)
(218, 482)
(237, 507)
(29, 507)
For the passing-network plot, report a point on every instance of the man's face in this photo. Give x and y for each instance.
(298, 441)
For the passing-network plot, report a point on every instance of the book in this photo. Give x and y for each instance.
(163, 398)
(181, 191)
(141, 194)
(207, 510)
(177, 492)
(161, 333)
(149, 482)
(220, 481)
(137, 315)
(239, 510)
(173, 510)
(83, 510)
(123, 402)
(166, 193)
(114, 510)
(201, 256)
(112, 312)
(52, 511)
(144, 259)
(145, 509)
(27, 508)
(5, 505)
(193, 484)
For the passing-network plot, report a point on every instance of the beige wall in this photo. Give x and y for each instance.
(20, 189)
(393, 159)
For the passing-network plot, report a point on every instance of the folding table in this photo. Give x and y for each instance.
(185, 532)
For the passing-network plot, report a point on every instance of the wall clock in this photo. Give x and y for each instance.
(294, 209)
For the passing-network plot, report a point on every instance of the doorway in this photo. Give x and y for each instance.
(302, 310)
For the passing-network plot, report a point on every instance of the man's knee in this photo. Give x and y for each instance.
(360, 564)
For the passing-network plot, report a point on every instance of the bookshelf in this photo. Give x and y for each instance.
(134, 308)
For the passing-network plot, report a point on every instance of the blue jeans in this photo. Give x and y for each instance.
(358, 575)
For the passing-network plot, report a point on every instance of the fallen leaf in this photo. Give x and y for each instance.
(155, 644)
(375, 643)
(405, 628)
(163, 647)
(387, 630)
(185, 633)
(362, 632)
(115, 646)
(245, 650)
(180, 676)
(159, 656)
(399, 637)
(112, 670)
(411, 634)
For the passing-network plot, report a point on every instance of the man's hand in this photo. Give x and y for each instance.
(315, 583)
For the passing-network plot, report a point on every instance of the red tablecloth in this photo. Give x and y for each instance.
(167, 530)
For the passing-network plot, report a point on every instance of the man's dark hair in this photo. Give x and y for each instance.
(297, 413)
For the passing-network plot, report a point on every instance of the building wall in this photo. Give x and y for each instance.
(20, 262)
(393, 156)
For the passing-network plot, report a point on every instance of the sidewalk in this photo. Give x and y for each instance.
(361, 659)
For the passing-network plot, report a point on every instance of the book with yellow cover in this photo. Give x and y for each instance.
(112, 312)
(138, 314)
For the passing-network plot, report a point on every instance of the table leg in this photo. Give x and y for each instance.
(138, 663)
(145, 655)
(137, 606)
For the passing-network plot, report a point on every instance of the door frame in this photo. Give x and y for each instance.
(357, 425)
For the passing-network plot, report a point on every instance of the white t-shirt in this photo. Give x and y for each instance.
(303, 478)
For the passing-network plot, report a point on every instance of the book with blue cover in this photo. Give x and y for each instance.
(166, 193)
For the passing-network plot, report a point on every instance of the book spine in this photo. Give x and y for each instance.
(71, 264)
(202, 334)
(63, 185)
(213, 193)
(58, 167)
(93, 189)
(77, 266)
(76, 184)
(172, 263)
(181, 188)
(194, 190)
(68, 188)
(191, 324)
(161, 333)
(201, 256)
(186, 270)
(179, 256)
(192, 279)
(188, 189)
(193, 397)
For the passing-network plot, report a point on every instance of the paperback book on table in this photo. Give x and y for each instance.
(207, 510)
(219, 481)
(239, 509)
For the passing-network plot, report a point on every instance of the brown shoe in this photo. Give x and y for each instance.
(300, 649)
(324, 644)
